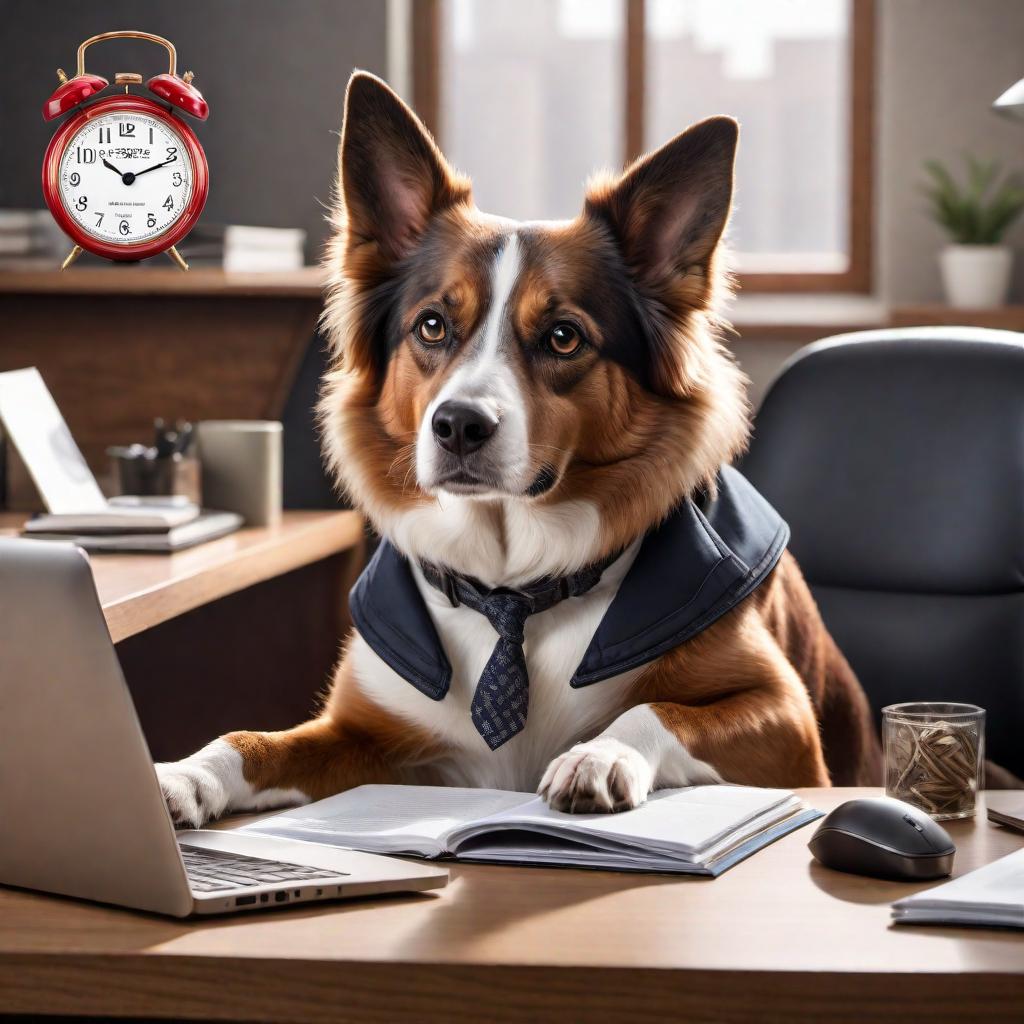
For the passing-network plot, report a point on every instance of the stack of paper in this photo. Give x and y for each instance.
(239, 248)
(992, 895)
(140, 530)
(30, 240)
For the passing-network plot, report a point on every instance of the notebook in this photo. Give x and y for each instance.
(1006, 808)
(206, 526)
(992, 895)
(115, 518)
(700, 830)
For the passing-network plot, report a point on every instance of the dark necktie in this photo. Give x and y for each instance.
(502, 696)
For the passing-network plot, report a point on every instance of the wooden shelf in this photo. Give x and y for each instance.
(803, 318)
(133, 280)
(1006, 318)
(139, 591)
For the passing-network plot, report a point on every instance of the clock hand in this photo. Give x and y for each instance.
(127, 177)
(155, 166)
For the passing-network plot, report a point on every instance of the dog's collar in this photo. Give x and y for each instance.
(696, 566)
(541, 594)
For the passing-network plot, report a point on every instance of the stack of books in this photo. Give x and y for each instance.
(242, 249)
(700, 830)
(30, 240)
(135, 524)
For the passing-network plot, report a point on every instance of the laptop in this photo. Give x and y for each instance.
(81, 812)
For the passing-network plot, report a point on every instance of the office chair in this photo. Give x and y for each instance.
(897, 456)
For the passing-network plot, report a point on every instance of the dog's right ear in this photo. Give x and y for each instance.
(392, 177)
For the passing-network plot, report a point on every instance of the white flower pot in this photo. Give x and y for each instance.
(976, 276)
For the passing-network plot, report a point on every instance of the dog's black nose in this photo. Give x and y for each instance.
(460, 428)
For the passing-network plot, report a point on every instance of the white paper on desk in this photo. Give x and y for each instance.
(35, 427)
(993, 894)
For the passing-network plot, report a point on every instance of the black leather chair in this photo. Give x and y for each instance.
(897, 456)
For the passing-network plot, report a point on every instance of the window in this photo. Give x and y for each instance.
(530, 96)
(532, 99)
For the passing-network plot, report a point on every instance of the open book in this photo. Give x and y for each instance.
(698, 830)
(992, 895)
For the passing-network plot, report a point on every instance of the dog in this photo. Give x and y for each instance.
(540, 412)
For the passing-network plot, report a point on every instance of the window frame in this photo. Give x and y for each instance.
(425, 30)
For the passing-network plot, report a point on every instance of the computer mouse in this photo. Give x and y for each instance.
(883, 838)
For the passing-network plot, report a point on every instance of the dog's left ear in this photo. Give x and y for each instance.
(669, 209)
(392, 177)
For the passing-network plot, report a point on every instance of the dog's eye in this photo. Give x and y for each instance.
(564, 340)
(430, 329)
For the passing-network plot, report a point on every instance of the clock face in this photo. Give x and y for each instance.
(125, 177)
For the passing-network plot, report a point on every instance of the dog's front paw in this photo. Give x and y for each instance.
(194, 794)
(601, 775)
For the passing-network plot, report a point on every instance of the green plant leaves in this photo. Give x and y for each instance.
(978, 213)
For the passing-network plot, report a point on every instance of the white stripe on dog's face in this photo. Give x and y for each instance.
(487, 380)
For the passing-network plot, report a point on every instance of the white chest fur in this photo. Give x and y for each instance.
(559, 715)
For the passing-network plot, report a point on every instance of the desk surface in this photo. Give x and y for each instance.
(777, 937)
(138, 592)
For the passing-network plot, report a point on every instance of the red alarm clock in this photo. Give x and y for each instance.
(125, 177)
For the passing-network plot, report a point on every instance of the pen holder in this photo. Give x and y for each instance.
(934, 756)
(172, 474)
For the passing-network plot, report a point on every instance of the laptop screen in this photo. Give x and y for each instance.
(35, 427)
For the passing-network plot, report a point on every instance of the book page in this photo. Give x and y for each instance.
(377, 819)
(687, 820)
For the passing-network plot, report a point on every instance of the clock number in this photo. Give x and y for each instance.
(150, 220)
(172, 154)
(75, 179)
(176, 179)
(168, 203)
(85, 155)
(126, 130)
(123, 227)
(104, 135)
(82, 204)
(99, 219)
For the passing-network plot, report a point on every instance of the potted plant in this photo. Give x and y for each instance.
(975, 266)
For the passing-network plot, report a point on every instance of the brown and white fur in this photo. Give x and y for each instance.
(572, 453)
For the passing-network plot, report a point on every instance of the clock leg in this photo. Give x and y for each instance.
(176, 257)
(71, 257)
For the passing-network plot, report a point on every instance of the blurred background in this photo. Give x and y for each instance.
(841, 104)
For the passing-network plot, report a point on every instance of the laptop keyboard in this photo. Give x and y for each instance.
(215, 870)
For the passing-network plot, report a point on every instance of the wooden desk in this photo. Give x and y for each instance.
(259, 612)
(775, 938)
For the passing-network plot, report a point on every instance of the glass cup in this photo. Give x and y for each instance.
(934, 756)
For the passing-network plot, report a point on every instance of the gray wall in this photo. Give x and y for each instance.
(273, 72)
(941, 63)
